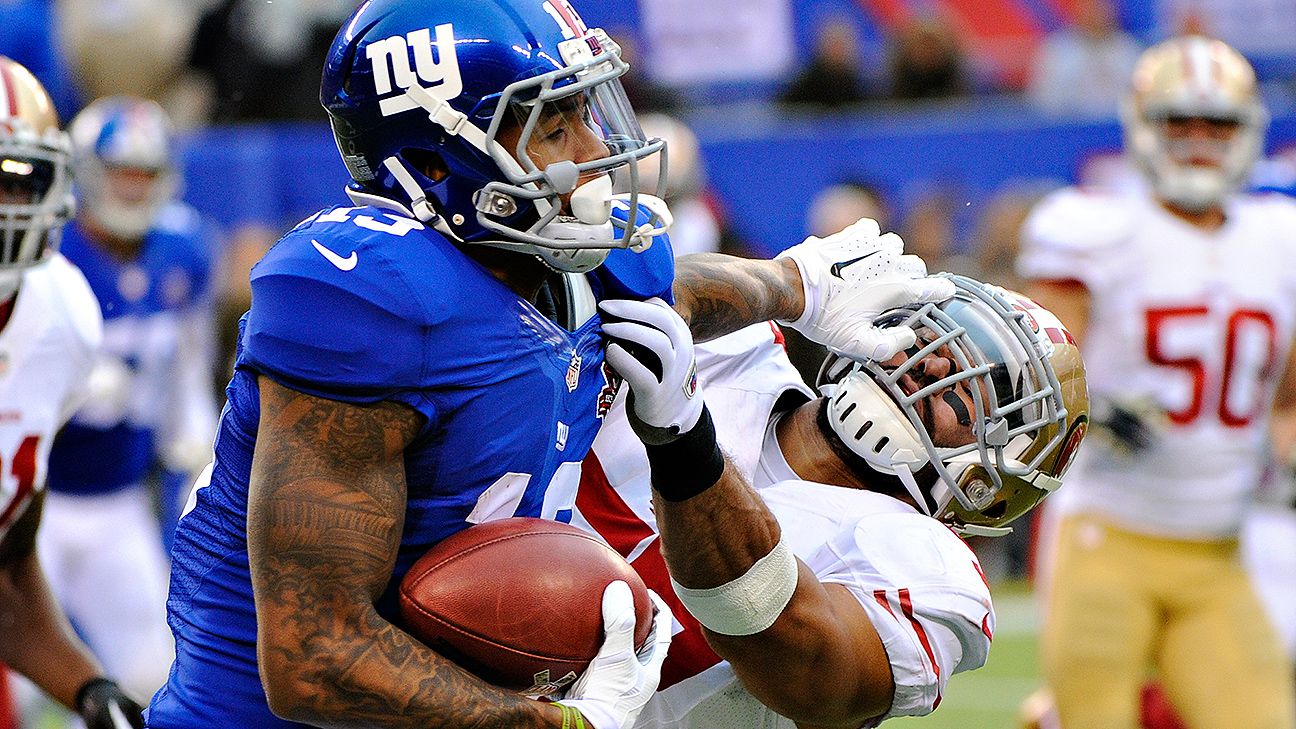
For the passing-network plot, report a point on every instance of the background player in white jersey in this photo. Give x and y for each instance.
(49, 331)
(146, 256)
(1184, 300)
(888, 602)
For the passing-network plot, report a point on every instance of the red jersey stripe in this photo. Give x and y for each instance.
(606, 511)
(907, 607)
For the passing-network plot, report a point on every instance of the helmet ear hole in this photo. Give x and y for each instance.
(427, 162)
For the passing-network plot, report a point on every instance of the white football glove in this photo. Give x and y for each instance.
(849, 279)
(651, 347)
(618, 683)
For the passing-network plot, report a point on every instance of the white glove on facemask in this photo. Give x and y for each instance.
(618, 683)
(651, 347)
(853, 276)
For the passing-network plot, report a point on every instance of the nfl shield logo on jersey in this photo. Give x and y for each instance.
(573, 372)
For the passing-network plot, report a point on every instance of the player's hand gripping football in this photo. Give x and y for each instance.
(651, 347)
(618, 683)
(102, 705)
(853, 276)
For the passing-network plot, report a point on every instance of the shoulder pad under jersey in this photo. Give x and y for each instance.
(76, 302)
(333, 313)
(1081, 218)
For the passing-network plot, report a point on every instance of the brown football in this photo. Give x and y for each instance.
(518, 601)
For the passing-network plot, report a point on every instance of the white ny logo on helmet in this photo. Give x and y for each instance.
(438, 75)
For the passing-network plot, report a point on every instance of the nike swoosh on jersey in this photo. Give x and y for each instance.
(837, 267)
(344, 264)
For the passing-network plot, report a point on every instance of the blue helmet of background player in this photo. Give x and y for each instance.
(124, 160)
(438, 108)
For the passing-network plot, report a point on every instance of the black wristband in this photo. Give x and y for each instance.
(89, 686)
(688, 465)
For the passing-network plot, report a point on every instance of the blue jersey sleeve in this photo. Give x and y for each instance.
(629, 275)
(352, 335)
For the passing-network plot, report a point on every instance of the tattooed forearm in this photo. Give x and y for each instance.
(325, 514)
(718, 294)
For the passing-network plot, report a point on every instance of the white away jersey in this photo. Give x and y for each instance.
(919, 584)
(46, 353)
(1199, 322)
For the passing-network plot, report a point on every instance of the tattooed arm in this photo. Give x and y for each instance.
(326, 506)
(718, 294)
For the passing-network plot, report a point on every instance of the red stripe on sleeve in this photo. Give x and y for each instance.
(779, 339)
(977, 566)
(907, 607)
(880, 596)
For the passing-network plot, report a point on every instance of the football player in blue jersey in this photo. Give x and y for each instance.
(432, 357)
(146, 257)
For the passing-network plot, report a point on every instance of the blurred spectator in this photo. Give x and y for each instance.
(833, 78)
(928, 229)
(264, 59)
(696, 228)
(840, 205)
(645, 94)
(133, 47)
(1085, 68)
(29, 35)
(927, 61)
(997, 236)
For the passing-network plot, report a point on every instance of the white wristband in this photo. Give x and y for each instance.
(750, 603)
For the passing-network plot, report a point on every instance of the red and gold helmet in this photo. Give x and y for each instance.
(1193, 77)
(1029, 407)
(35, 178)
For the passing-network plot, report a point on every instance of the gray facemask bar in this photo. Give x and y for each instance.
(535, 184)
(973, 364)
(30, 231)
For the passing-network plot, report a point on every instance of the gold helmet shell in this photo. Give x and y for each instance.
(1193, 77)
(35, 177)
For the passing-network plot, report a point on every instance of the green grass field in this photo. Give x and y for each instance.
(989, 698)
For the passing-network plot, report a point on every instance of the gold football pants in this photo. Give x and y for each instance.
(1124, 606)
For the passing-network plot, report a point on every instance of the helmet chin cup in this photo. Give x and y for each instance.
(591, 203)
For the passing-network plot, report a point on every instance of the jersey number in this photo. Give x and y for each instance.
(23, 469)
(1250, 360)
(398, 226)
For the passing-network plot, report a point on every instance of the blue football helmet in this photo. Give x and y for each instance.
(123, 154)
(439, 107)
